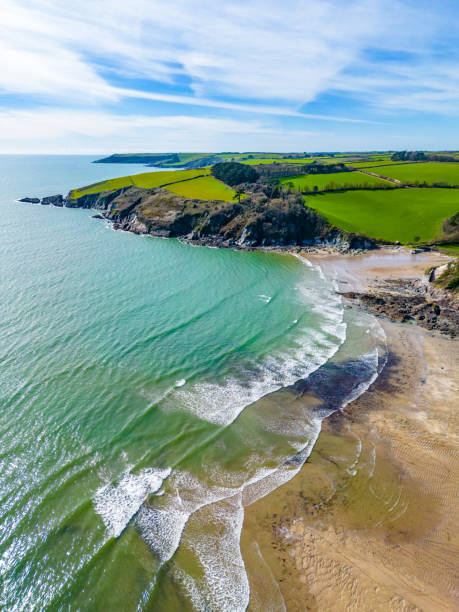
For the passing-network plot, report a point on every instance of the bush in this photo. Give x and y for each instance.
(233, 173)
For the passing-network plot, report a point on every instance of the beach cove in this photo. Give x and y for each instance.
(369, 521)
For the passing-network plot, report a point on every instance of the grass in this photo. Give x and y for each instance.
(204, 188)
(305, 160)
(431, 172)
(372, 164)
(406, 215)
(253, 162)
(146, 180)
(450, 248)
(337, 179)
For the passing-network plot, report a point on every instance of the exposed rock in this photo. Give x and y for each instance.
(161, 213)
(30, 200)
(450, 228)
(412, 300)
(98, 216)
(254, 222)
(55, 200)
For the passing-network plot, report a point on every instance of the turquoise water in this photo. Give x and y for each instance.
(129, 368)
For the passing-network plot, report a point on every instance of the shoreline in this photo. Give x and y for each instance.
(368, 522)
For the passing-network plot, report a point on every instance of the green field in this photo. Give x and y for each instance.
(304, 160)
(399, 214)
(336, 180)
(372, 164)
(431, 172)
(204, 188)
(254, 162)
(146, 180)
(452, 249)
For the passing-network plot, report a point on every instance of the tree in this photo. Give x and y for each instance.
(238, 194)
(233, 173)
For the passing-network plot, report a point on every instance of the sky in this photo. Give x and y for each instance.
(106, 76)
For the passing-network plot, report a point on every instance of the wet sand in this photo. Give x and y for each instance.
(369, 521)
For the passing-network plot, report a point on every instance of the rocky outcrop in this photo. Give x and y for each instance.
(251, 223)
(412, 300)
(161, 213)
(450, 228)
(55, 200)
(30, 200)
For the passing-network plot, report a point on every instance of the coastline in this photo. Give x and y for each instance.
(316, 542)
(368, 522)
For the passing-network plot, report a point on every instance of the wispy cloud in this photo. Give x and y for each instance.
(233, 58)
(52, 128)
(263, 50)
(250, 108)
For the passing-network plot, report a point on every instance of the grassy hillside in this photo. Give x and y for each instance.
(187, 183)
(406, 215)
(146, 180)
(204, 188)
(337, 180)
(431, 172)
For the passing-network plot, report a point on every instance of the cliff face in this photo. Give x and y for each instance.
(161, 213)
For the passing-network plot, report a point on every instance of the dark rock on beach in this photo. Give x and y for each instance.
(411, 300)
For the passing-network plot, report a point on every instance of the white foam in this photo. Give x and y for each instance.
(117, 504)
(222, 403)
(205, 515)
(221, 585)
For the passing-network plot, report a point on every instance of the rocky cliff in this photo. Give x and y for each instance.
(162, 213)
(276, 222)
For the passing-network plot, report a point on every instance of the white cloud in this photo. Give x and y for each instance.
(427, 86)
(287, 53)
(98, 133)
(47, 130)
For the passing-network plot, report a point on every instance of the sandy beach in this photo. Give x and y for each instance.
(369, 521)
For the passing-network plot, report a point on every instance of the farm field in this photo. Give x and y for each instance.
(406, 215)
(431, 172)
(371, 164)
(305, 160)
(254, 162)
(204, 188)
(146, 180)
(337, 179)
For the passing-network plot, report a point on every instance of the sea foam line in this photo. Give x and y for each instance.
(117, 504)
(163, 528)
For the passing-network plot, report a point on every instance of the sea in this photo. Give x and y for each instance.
(136, 375)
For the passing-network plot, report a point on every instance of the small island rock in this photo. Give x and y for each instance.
(55, 200)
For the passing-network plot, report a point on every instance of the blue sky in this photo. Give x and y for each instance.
(102, 76)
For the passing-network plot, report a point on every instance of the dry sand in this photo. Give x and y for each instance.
(370, 521)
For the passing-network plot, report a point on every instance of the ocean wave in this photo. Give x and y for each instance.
(221, 403)
(200, 516)
(117, 504)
